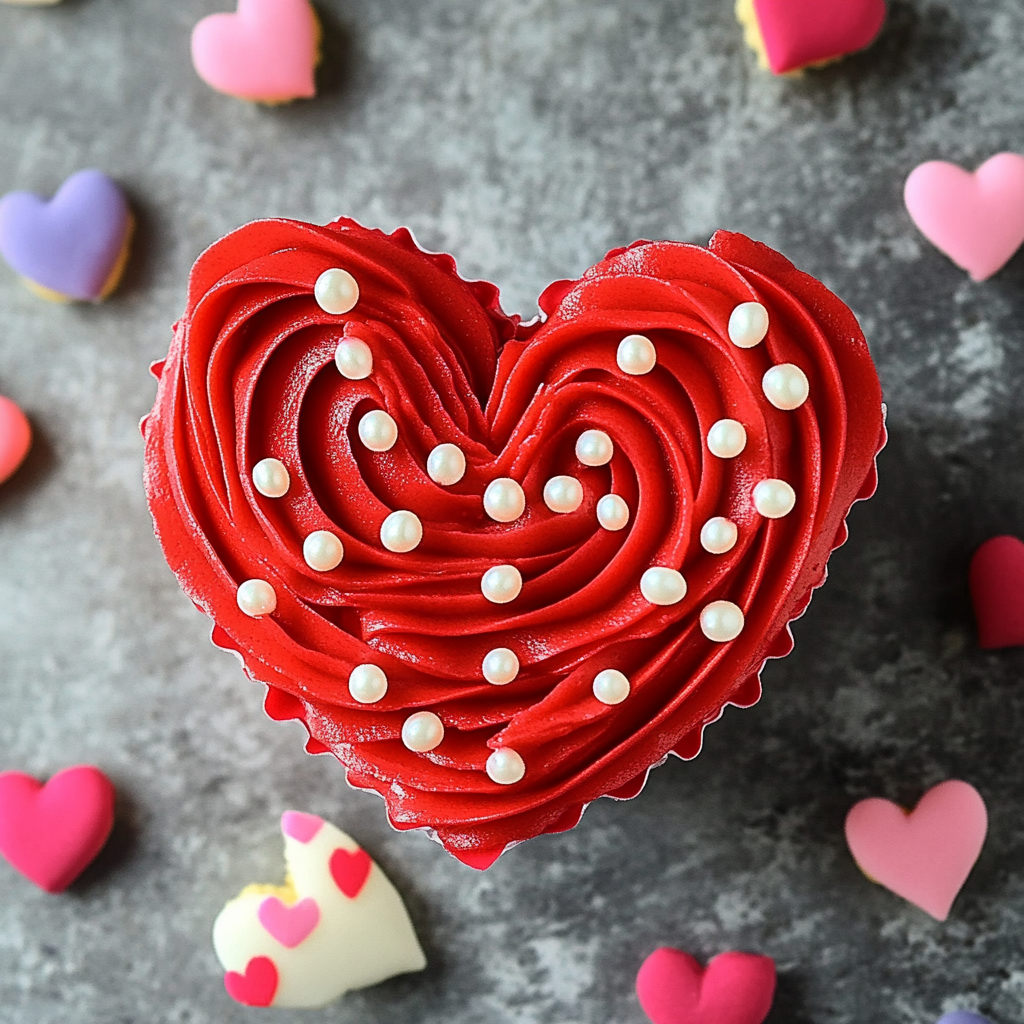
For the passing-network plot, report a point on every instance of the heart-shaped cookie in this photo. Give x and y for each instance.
(788, 35)
(73, 246)
(15, 438)
(976, 219)
(734, 988)
(923, 855)
(52, 832)
(997, 592)
(266, 51)
(502, 569)
(305, 943)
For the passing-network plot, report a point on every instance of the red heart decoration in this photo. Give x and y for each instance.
(735, 988)
(257, 987)
(997, 590)
(52, 832)
(797, 33)
(252, 375)
(15, 438)
(350, 870)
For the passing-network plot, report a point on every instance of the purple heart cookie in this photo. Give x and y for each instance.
(963, 1017)
(73, 247)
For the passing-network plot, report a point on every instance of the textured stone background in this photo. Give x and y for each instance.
(526, 137)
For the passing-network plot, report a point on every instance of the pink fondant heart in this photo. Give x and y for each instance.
(801, 32)
(257, 987)
(925, 855)
(51, 832)
(289, 925)
(15, 438)
(976, 219)
(350, 871)
(735, 988)
(997, 591)
(266, 51)
(301, 827)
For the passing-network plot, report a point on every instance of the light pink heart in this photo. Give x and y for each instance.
(925, 855)
(289, 925)
(266, 51)
(976, 219)
(303, 828)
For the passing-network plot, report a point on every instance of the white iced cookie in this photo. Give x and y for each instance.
(336, 924)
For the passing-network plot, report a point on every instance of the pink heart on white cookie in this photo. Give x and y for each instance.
(266, 51)
(336, 924)
(923, 855)
(976, 219)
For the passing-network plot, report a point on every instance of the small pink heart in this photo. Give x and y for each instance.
(15, 438)
(257, 987)
(350, 870)
(924, 855)
(734, 988)
(303, 828)
(51, 832)
(976, 219)
(266, 51)
(289, 925)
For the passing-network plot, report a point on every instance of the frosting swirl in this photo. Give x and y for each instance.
(252, 375)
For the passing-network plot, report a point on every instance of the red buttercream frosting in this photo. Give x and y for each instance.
(251, 375)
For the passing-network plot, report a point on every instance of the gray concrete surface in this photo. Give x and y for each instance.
(526, 137)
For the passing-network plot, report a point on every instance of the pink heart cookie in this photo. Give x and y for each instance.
(976, 219)
(266, 51)
(51, 832)
(15, 438)
(734, 988)
(923, 855)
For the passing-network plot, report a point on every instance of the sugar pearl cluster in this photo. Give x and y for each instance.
(785, 387)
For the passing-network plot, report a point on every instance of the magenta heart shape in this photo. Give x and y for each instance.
(72, 243)
(976, 219)
(290, 925)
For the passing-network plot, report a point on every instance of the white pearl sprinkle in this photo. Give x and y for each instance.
(636, 355)
(594, 448)
(501, 584)
(367, 683)
(661, 585)
(353, 359)
(748, 324)
(611, 686)
(401, 532)
(501, 666)
(322, 551)
(336, 291)
(563, 494)
(504, 500)
(270, 477)
(721, 621)
(786, 386)
(727, 439)
(422, 731)
(774, 498)
(505, 767)
(719, 535)
(256, 598)
(378, 431)
(613, 512)
(446, 464)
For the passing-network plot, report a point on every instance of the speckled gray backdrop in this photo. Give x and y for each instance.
(526, 137)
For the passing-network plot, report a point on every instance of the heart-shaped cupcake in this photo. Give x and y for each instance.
(321, 934)
(501, 569)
